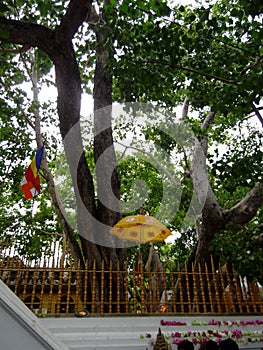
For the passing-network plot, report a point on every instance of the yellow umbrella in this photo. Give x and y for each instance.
(141, 229)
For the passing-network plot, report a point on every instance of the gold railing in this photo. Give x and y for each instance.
(52, 288)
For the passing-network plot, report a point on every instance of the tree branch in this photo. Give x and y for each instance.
(256, 110)
(77, 12)
(207, 75)
(24, 48)
(246, 209)
(205, 126)
(185, 107)
(26, 34)
(159, 165)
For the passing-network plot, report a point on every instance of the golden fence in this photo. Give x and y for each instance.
(51, 288)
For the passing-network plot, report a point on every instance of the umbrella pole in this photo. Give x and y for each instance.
(139, 258)
(140, 268)
(150, 255)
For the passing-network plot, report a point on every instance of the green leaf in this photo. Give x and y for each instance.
(4, 34)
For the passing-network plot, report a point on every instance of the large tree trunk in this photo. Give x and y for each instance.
(108, 180)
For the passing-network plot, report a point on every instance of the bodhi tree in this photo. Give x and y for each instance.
(146, 52)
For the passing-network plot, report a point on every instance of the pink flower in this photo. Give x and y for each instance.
(237, 333)
(194, 341)
(176, 335)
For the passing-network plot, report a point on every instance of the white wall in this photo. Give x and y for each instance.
(20, 328)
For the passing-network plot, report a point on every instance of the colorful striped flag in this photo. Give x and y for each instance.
(31, 181)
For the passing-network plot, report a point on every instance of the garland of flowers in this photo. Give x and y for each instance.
(213, 334)
(227, 323)
(201, 337)
(214, 323)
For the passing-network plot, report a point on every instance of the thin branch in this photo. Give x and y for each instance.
(24, 48)
(256, 110)
(236, 47)
(207, 75)
(252, 66)
(152, 158)
(43, 232)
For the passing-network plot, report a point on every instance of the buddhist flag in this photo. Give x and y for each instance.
(31, 180)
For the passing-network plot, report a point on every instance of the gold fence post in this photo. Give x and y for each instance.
(78, 284)
(25, 283)
(196, 298)
(93, 287)
(202, 287)
(179, 284)
(85, 292)
(143, 308)
(34, 283)
(189, 303)
(208, 283)
(134, 288)
(216, 284)
(173, 299)
(18, 276)
(110, 286)
(69, 270)
(158, 296)
(150, 287)
(102, 287)
(127, 294)
(59, 296)
(165, 289)
(43, 281)
(51, 284)
(118, 287)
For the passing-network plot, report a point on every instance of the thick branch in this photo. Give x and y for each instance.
(205, 194)
(25, 33)
(77, 12)
(205, 126)
(246, 209)
(185, 107)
